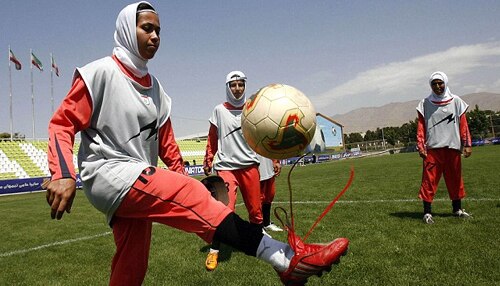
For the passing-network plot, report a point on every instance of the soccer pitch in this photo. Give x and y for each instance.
(380, 214)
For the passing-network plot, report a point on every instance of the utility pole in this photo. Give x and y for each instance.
(492, 127)
(383, 139)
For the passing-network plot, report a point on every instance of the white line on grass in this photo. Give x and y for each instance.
(375, 201)
(21, 251)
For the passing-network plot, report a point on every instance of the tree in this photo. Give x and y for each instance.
(371, 136)
(355, 137)
(478, 123)
(391, 135)
(408, 132)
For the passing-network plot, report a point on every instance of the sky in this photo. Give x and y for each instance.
(343, 55)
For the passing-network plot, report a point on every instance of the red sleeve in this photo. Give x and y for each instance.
(421, 132)
(72, 116)
(169, 151)
(212, 146)
(464, 131)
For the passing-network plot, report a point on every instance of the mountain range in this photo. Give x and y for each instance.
(398, 113)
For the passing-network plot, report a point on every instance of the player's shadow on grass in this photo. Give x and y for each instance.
(418, 215)
(225, 252)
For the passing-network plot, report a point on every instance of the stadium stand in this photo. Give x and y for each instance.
(193, 150)
(28, 159)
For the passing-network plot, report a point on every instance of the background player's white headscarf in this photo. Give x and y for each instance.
(447, 95)
(232, 76)
(442, 99)
(126, 48)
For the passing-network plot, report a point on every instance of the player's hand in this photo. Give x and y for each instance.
(422, 154)
(467, 151)
(60, 196)
(277, 168)
(207, 170)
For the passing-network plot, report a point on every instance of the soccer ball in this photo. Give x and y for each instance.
(278, 121)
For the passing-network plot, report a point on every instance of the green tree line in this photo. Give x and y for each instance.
(482, 124)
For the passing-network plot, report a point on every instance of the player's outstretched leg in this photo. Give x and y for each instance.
(295, 262)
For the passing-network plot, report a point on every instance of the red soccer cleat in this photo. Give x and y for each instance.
(311, 259)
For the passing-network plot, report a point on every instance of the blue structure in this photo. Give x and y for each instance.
(329, 134)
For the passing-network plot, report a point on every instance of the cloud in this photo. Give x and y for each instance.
(401, 81)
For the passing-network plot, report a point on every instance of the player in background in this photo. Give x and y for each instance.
(268, 169)
(122, 113)
(442, 135)
(234, 160)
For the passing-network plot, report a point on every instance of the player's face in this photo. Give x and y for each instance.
(437, 86)
(237, 88)
(148, 34)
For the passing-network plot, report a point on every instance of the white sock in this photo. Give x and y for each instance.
(214, 250)
(275, 252)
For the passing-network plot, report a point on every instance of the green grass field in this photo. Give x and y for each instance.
(380, 214)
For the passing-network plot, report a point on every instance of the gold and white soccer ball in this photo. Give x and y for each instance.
(278, 121)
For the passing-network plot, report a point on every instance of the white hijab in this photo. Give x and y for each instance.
(232, 76)
(126, 48)
(446, 95)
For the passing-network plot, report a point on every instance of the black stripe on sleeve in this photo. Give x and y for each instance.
(62, 163)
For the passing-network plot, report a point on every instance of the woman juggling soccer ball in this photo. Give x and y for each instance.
(123, 116)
